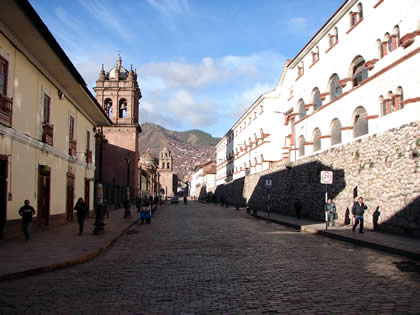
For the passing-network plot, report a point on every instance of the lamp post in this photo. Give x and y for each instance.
(99, 209)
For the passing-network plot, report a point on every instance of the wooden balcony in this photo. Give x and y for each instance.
(72, 148)
(47, 133)
(6, 110)
(89, 156)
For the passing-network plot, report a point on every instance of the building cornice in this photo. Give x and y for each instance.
(331, 22)
(36, 144)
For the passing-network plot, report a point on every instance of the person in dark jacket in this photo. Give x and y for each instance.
(331, 211)
(26, 212)
(358, 210)
(81, 209)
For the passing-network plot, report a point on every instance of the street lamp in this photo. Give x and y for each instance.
(99, 209)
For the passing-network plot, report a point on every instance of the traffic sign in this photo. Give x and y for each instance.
(326, 177)
(268, 183)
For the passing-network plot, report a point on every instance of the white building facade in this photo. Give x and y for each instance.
(356, 77)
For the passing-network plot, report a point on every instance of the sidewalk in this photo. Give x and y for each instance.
(391, 243)
(60, 247)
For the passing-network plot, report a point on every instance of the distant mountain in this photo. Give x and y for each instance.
(189, 148)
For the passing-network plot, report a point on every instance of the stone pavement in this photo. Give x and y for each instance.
(391, 243)
(60, 246)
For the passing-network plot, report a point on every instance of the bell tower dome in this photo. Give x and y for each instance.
(119, 94)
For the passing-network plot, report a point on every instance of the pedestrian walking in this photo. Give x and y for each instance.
(358, 210)
(26, 212)
(331, 211)
(185, 200)
(81, 209)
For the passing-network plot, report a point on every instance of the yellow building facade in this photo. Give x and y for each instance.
(47, 123)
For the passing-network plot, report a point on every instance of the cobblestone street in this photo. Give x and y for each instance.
(207, 259)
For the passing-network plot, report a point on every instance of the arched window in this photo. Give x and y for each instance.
(316, 139)
(383, 105)
(122, 113)
(333, 38)
(398, 98)
(379, 47)
(360, 124)
(108, 107)
(300, 69)
(360, 11)
(316, 98)
(262, 133)
(391, 103)
(359, 71)
(163, 164)
(395, 37)
(255, 137)
(301, 146)
(315, 55)
(261, 158)
(335, 88)
(167, 165)
(335, 132)
(255, 161)
(301, 107)
(385, 45)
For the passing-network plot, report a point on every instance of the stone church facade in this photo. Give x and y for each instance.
(118, 92)
(168, 179)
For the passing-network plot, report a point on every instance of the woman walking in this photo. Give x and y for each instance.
(81, 209)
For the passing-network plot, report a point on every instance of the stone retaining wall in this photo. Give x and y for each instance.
(383, 168)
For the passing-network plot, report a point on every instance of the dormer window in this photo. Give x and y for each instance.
(300, 70)
(315, 55)
(333, 37)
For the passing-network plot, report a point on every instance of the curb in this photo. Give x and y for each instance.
(288, 224)
(83, 259)
(363, 243)
(383, 248)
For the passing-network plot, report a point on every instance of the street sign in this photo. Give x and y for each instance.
(268, 183)
(326, 177)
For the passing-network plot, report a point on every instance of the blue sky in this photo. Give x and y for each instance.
(200, 63)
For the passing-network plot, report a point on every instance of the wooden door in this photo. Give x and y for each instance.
(3, 194)
(70, 197)
(44, 186)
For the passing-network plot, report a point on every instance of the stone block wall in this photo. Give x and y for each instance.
(383, 168)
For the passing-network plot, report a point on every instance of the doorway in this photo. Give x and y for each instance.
(3, 193)
(44, 189)
(70, 197)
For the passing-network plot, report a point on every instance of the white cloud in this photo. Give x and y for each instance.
(257, 66)
(170, 7)
(186, 75)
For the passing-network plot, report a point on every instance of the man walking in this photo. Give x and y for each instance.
(331, 211)
(26, 212)
(358, 210)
